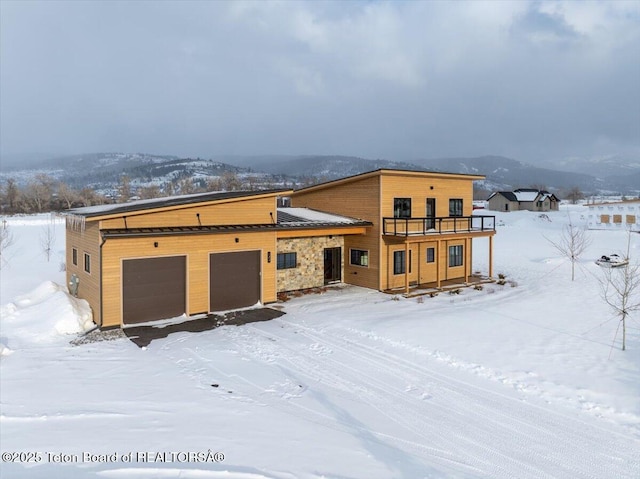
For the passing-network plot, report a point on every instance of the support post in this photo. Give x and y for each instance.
(406, 267)
(491, 257)
(438, 264)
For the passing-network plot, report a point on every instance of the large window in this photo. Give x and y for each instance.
(287, 260)
(399, 262)
(359, 257)
(87, 262)
(455, 256)
(455, 207)
(402, 207)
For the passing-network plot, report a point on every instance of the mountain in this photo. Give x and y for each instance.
(324, 167)
(512, 173)
(103, 171)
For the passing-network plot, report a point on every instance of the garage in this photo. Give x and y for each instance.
(234, 280)
(153, 288)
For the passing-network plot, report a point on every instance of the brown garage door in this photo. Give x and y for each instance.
(234, 280)
(153, 288)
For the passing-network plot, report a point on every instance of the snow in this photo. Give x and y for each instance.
(523, 380)
(308, 214)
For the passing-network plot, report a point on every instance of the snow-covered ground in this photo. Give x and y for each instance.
(524, 380)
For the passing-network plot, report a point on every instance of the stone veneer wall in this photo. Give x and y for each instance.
(309, 272)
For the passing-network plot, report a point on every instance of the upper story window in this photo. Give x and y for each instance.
(402, 207)
(455, 207)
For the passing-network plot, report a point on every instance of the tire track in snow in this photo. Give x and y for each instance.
(525, 420)
(411, 415)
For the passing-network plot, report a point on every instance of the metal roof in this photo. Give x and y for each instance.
(156, 203)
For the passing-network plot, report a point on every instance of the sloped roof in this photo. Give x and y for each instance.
(507, 194)
(308, 216)
(157, 203)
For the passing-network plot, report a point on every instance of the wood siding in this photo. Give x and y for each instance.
(357, 199)
(85, 239)
(197, 249)
(236, 212)
(371, 198)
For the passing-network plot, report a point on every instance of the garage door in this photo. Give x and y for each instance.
(234, 280)
(153, 288)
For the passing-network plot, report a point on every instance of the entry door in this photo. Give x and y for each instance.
(332, 265)
(431, 213)
(234, 280)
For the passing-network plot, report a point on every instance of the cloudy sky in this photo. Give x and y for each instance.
(535, 81)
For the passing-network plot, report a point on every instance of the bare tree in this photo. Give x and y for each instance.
(124, 189)
(573, 242)
(48, 239)
(574, 195)
(149, 192)
(11, 194)
(620, 289)
(37, 194)
(6, 240)
(67, 195)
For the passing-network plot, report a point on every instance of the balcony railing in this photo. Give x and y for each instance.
(438, 225)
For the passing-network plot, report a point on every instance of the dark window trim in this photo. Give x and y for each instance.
(402, 207)
(456, 207)
(398, 264)
(356, 260)
(456, 256)
(74, 256)
(287, 260)
(431, 258)
(87, 263)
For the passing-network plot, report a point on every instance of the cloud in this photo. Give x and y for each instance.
(532, 80)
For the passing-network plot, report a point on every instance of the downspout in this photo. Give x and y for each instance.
(104, 240)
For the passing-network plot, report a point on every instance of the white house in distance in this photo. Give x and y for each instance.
(621, 215)
(523, 199)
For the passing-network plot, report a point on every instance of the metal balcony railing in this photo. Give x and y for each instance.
(437, 225)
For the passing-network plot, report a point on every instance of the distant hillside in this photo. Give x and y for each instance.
(324, 167)
(512, 173)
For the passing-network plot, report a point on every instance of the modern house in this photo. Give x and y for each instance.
(155, 259)
(523, 199)
(621, 215)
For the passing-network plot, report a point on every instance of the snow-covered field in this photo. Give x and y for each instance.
(525, 380)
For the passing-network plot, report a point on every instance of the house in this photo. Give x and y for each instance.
(621, 215)
(523, 199)
(155, 259)
(422, 230)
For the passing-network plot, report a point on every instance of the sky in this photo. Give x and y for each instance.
(531, 80)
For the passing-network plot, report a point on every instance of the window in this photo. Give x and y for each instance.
(287, 260)
(74, 256)
(455, 256)
(402, 207)
(360, 257)
(398, 262)
(455, 207)
(87, 262)
(431, 255)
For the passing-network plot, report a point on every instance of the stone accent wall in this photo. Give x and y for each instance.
(309, 272)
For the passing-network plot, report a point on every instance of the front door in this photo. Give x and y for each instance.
(332, 265)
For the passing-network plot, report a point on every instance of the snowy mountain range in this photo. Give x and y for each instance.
(103, 171)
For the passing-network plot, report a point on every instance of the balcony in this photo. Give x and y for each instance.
(438, 225)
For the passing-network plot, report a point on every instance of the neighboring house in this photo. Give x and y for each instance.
(622, 215)
(154, 259)
(523, 199)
